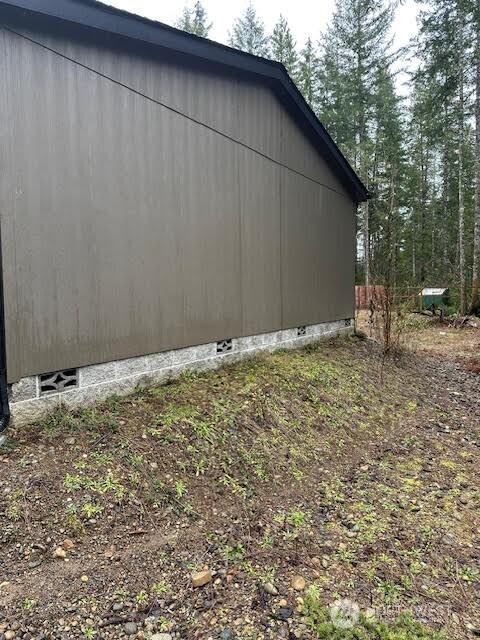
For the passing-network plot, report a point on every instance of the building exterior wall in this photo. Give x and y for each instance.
(96, 383)
(129, 229)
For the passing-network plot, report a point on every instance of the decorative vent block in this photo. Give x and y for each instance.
(348, 322)
(58, 381)
(302, 331)
(223, 346)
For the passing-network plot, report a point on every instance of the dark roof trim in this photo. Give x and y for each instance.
(96, 15)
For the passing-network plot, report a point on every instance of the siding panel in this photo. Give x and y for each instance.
(260, 244)
(128, 229)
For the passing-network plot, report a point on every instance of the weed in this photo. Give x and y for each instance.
(91, 510)
(234, 553)
(389, 590)
(102, 457)
(28, 604)
(228, 481)
(297, 518)
(469, 574)
(142, 597)
(14, 507)
(180, 489)
(267, 542)
(57, 421)
(72, 482)
(159, 588)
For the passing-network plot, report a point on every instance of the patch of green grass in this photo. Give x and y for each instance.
(234, 553)
(178, 413)
(93, 419)
(405, 627)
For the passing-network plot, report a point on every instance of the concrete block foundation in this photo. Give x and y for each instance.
(95, 383)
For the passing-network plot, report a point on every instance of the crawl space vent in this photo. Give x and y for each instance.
(302, 331)
(58, 381)
(224, 345)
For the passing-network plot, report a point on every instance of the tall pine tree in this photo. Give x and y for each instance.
(194, 20)
(283, 48)
(355, 47)
(446, 58)
(475, 299)
(307, 73)
(248, 33)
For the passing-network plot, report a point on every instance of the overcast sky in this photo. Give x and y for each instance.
(306, 17)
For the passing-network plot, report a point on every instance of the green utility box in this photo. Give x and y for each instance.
(433, 298)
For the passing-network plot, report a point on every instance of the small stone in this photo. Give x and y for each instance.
(70, 440)
(60, 553)
(117, 606)
(284, 613)
(67, 544)
(161, 636)
(9, 635)
(298, 583)
(130, 628)
(226, 634)
(269, 588)
(84, 578)
(473, 629)
(201, 578)
(283, 603)
(109, 551)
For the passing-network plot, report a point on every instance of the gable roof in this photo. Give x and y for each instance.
(102, 17)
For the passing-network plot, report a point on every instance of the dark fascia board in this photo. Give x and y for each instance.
(99, 16)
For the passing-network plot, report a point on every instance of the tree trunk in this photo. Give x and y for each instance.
(445, 178)
(461, 136)
(475, 303)
(414, 264)
(423, 208)
(366, 241)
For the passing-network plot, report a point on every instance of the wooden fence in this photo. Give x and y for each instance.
(364, 295)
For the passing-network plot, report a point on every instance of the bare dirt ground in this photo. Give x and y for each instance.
(292, 480)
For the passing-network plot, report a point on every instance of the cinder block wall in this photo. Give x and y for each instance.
(33, 397)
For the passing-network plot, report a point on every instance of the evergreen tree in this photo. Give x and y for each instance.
(282, 46)
(446, 57)
(475, 299)
(248, 33)
(423, 206)
(355, 48)
(194, 20)
(306, 76)
(387, 178)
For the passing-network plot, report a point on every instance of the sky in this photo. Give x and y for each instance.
(305, 17)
